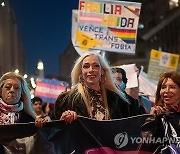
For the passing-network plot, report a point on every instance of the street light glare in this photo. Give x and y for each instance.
(16, 71)
(2, 4)
(40, 65)
(32, 79)
(25, 76)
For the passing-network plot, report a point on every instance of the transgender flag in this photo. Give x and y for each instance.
(90, 18)
(49, 90)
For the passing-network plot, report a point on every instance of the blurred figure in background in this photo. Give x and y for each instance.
(119, 75)
(37, 105)
(47, 108)
(167, 94)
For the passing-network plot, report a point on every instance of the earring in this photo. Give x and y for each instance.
(81, 80)
(102, 80)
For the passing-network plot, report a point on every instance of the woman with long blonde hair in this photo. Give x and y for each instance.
(93, 93)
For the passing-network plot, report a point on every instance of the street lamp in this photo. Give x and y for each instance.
(40, 69)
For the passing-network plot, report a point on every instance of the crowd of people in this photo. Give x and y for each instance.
(97, 92)
(93, 93)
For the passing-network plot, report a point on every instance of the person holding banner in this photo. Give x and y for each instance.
(164, 126)
(120, 81)
(167, 94)
(93, 93)
(15, 101)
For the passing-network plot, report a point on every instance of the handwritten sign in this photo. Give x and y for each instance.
(107, 25)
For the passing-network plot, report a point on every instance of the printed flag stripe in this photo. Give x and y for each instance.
(128, 36)
(50, 86)
(91, 18)
(90, 21)
(122, 30)
(124, 34)
(46, 95)
(85, 14)
(51, 82)
(49, 91)
(129, 41)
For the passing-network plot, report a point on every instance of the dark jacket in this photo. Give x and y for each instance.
(25, 118)
(141, 109)
(118, 108)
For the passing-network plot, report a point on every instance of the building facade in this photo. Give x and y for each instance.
(11, 49)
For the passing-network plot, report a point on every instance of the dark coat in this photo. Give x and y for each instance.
(25, 118)
(118, 108)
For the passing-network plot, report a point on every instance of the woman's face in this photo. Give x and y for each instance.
(11, 91)
(91, 70)
(170, 92)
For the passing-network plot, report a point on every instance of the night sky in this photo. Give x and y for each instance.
(45, 31)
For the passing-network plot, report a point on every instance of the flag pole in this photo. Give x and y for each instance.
(103, 53)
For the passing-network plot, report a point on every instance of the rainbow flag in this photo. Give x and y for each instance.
(127, 35)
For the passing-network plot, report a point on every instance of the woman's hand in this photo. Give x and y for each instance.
(157, 110)
(40, 122)
(69, 116)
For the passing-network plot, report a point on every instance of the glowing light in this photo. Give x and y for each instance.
(141, 26)
(32, 79)
(2, 4)
(173, 3)
(40, 65)
(16, 71)
(25, 76)
(32, 96)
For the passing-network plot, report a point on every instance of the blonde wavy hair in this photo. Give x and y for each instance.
(25, 94)
(106, 82)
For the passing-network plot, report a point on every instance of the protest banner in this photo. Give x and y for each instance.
(161, 62)
(104, 25)
(87, 136)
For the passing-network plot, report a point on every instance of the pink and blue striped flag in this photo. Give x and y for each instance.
(49, 89)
